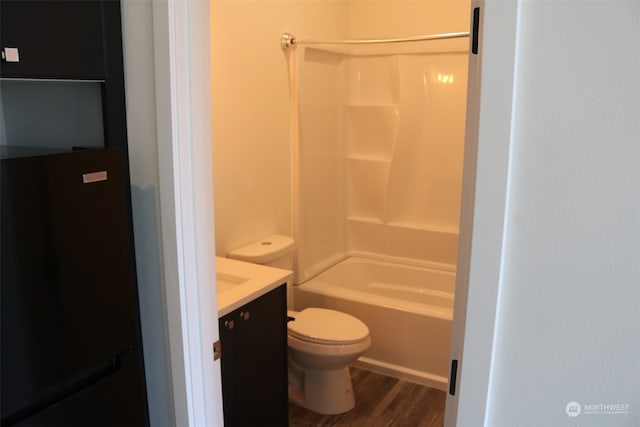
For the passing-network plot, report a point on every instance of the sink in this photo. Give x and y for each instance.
(229, 281)
(239, 282)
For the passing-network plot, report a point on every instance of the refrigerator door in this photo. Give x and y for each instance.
(68, 297)
(103, 403)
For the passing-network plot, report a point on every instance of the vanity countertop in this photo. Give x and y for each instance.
(240, 282)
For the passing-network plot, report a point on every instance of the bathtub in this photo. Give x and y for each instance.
(408, 310)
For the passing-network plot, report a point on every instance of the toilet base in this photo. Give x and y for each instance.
(323, 391)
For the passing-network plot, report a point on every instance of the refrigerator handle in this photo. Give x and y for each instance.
(62, 390)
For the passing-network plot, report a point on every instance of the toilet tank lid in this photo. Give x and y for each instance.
(264, 250)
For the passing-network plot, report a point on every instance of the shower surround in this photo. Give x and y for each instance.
(380, 148)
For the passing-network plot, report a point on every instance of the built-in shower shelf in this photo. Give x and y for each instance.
(372, 105)
(404, 224)
(366, 219)
(424, 227)
(372, 159)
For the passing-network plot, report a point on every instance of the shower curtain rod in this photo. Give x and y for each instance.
(289, 40)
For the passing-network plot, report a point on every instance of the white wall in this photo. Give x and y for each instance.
(143, 159)
(568, 324)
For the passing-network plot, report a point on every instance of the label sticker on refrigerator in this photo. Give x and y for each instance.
(89, 178)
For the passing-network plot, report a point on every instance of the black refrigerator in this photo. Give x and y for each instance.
(71, 343)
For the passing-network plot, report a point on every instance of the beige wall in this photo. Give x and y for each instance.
(401, 18)
(250, 90)
(251, 144)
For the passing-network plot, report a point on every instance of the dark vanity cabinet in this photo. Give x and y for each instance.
(253, 343)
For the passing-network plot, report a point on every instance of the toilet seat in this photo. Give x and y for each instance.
(328, 327)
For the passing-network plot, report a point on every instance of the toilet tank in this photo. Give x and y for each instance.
(273, 251)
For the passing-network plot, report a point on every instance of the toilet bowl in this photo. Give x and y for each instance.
(322, 343)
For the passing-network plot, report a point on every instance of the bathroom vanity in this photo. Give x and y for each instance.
(252, 311)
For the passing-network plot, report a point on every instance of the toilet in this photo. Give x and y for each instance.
(322, 342)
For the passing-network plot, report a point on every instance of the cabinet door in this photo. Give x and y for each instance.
(262, 355)
(57, 39)
(254, 362)
(231, 405)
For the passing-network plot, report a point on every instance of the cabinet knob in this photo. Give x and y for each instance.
(245, 315)
(229, 324)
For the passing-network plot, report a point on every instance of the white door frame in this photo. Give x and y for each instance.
(181, 40)
(183, 113)
(490, 115)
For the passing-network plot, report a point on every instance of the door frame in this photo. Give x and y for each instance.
(183, 115)
(488, 139)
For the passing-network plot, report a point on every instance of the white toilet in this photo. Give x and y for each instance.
(322, 342)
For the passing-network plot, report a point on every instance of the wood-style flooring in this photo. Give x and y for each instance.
(381, 401)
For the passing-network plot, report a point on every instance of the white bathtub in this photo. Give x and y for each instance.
(408, 311)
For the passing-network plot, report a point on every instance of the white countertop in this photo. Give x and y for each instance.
(240, 282)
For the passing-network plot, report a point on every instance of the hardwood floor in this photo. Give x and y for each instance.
(381, 401)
